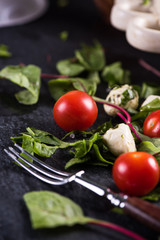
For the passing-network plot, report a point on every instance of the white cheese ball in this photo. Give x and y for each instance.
(150, 99)
(119, 140)
(116, 97)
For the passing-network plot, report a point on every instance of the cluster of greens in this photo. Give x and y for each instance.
(82, 72)
(89, 150)
(86, 70)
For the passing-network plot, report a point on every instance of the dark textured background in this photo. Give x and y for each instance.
(31, 44)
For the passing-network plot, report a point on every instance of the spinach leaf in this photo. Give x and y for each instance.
(151, 106)
(50, 210)
(147, 146)
(45, 144)
(70, 67)
(44, 137)
(60, 86)
(4, 52)
(91, 57)
(27, 77)
(148, 89)
(114, 74)
(154, 195)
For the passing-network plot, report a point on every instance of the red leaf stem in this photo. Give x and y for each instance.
(149, 67)
(119, 229)
(46, 75)
(126, 119)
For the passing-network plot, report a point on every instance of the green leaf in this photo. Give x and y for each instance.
(44, 137)
(45, 144)
(94, 77)
(44, 150)
(91, 57)
(147, 146)
(50, 210)
(59, 87)
(4, 52)
(99, 155)
(148, 89)
(154, 195)
(114, 74)
(70, 67)
(151, 106)
(83, 147)
(27, 77)
(155, 141)
(64, 35)
(74, 161)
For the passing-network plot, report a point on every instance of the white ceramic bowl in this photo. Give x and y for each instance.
(16, 12)
(144, 34)
(141, 23)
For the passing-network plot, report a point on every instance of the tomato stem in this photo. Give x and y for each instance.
(118, 228)
(126, 119)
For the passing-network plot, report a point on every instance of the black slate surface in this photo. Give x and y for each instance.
(32, 44)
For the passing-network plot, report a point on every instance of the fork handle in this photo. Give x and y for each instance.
(143, 211)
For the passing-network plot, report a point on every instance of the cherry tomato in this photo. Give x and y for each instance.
(151, 126)
(75, 110)
(136, 173)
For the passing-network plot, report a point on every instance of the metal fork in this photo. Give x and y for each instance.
(143, 211)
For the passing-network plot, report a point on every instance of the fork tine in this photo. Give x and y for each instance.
(63, 173)
(37, 168)
(38, 175)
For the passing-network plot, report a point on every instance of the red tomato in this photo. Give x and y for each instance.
(136, 173)
(75, 110)
(151, 126)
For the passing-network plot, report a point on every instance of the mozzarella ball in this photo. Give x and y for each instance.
(124, 96)
(119, 140)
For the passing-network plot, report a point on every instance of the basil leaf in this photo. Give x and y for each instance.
(91, 57)
(27, 77)
(128, 95)
(4, 52)
(70, 67)
(114, 74)
(50, 210)
(148, 90)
